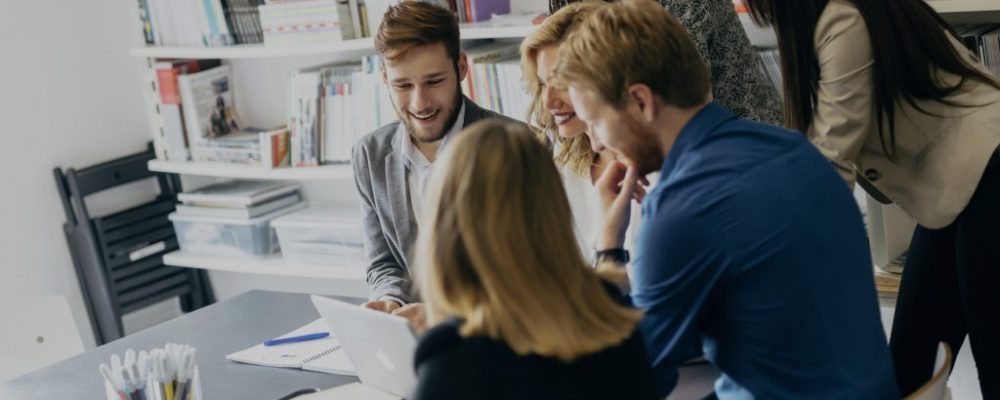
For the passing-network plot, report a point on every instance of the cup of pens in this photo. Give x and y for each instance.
(160, 374)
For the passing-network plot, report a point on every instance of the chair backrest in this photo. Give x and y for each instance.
(37, 331)
(937, 387)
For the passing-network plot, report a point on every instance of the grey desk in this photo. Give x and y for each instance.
(216, 330)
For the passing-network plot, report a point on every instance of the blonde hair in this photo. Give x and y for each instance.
(498, 250)
(575, 152)
(638, 42)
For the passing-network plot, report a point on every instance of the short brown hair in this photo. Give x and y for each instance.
(637, 42)
(415, 23)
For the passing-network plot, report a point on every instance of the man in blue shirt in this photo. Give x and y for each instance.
(751, 247)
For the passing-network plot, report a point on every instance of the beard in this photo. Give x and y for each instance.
(642, 149)
(450, 117)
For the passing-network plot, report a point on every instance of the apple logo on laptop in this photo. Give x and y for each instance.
(384, 359)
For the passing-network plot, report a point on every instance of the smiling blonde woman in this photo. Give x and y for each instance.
(555, 122)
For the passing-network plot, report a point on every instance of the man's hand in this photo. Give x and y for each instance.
(386, 306)
(416, 314)
(616, 188)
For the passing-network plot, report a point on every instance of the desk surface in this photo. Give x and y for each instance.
(216, 330)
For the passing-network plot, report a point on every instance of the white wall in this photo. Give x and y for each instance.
(69, 96)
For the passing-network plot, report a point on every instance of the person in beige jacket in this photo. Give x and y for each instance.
(889, 94)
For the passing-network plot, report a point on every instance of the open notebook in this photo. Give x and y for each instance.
(323, 355)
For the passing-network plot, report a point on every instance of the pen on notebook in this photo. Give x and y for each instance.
(296, 339)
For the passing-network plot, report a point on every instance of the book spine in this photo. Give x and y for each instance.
(345, 20)
(146, 20)
(227, 13)
(355, 15)
(257, 34)
(153, 111)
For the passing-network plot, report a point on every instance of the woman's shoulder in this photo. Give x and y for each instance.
(841, 31)
(442, 336)
(838, 10)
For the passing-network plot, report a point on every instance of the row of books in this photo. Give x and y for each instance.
(212, 23)
(194, 118)
(475, 10)
(494, 80)
(199, 22)
(770, 60)
(984, 40)
(332, 106)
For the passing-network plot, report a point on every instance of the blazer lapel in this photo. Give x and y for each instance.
(472, 112)
(398, 191)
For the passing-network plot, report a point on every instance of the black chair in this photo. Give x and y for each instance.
(119, 257)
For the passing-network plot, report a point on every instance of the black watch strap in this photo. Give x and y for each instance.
(618, 255)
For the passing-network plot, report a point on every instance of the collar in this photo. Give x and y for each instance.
(704, 123)
(412, 156)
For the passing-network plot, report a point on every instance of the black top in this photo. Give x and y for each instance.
(450, 366)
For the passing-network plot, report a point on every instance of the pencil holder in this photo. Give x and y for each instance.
(154, 390)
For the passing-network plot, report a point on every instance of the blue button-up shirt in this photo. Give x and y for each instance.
(753, 250)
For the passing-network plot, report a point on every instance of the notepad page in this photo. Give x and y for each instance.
(334, 361)
(350, 391)
(291, 355)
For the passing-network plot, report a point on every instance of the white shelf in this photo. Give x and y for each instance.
(274, 265)
(325, 172)
(968, 11)
(252, 50)
(485, 30)
(469, 32)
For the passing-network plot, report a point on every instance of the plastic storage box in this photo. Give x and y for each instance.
(229, 237)
(322, 236)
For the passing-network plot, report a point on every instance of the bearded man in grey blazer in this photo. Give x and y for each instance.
(423, 68)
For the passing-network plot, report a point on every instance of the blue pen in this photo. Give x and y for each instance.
(296, 339)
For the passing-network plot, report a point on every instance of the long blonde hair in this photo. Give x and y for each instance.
(574, 153)
(498, 250)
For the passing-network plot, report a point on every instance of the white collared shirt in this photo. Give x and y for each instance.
(418, 168)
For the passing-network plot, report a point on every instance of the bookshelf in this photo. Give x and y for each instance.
(324, 172)
(274, 265)
(474, 31)
(968, 11)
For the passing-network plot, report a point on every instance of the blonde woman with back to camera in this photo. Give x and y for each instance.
(516, 313)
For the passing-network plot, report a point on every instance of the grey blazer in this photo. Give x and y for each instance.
(390, 227)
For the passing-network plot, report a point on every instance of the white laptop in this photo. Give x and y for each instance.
(380, 345)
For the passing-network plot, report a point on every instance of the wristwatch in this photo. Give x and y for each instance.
(617, 255)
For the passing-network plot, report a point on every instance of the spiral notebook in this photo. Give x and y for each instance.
(323, 355)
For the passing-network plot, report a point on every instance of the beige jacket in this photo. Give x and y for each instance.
(940, 158)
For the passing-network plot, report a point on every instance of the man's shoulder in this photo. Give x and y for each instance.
(480, 113)
(378, 141)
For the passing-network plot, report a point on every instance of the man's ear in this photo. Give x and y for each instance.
(642, 98)
(463, 66)
(381, 70)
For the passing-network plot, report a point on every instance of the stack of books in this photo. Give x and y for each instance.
(289, 22)
(239, 200)
(196, 120)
